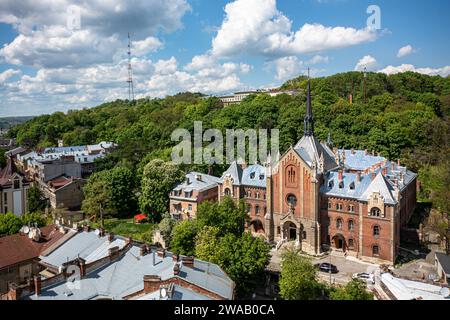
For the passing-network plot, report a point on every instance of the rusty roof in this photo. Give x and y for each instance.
(18, 247)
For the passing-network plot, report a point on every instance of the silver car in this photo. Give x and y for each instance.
(367, 277)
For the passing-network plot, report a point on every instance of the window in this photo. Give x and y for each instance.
(227, 191)
(291, 200)
(339, 223)
(352, 186)
(249, 194)
(375, 212)
(351, 208)
(252, 175)
(16, 184)
(257, 195)
(350, 225)
(190, 207)
(376, 231)
(5, 197)
(291, 174)
(338, 206)
(304, 235)
(257, 210)
(249, 208)
(350, 243)
(376, 250)
(329, 205)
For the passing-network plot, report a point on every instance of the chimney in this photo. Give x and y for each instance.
(151, 283)
(340, 175)
(373, 175)
(352, 151)
(37, 285)
(111, 237)
(86, 228)
(143, 250)
(373, 152)
(82, 264)
(188, 261)
(176, 269)
(161, 253)
(153, 258)
(128, 241)
(398, 162)
(175, 257)
(392, 165)
(358, 176)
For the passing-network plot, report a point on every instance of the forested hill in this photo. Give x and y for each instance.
(404, 115)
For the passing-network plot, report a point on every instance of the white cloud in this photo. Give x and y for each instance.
(9, 73)
(367, 62)
(444, 71)
(287, 67)
(404, 51)
(318, 59)
(45, 40)
(256, 26)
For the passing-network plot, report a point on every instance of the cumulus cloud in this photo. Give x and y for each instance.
(287, 67)
(443, 71)
(45, 39)
(318, 59)
(256, 26)
(9, 73)
(367, 62)
(404, 51)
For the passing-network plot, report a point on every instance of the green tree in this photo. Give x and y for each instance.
(158, 180)
(226, 215)
(354, 290)
(183, 237)
(243, 257)
(298, 277)
(165, 227)
(9, 224)
(35, 218)
(96, 196)
(36, 199)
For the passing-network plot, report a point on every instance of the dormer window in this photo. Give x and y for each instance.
(330, 184)
(252, 175)
(341, 185)
(375, 212)
(261, 177)
(352, 186)
(16, 183)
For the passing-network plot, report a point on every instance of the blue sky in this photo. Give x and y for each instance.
(214, 47)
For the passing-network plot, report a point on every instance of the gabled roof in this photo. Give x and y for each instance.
(198, 181)
(309, 149)
(18, 247)
(235, 171)
(381, 185)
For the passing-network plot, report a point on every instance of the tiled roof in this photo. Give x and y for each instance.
(197, 181)
(309, 149)
(254, 175)
(86, 245)
(235, 171)
(125, 276)
(18, 247)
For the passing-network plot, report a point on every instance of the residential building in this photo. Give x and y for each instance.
(13, 190)
(115, 268)
(19, 253)
(84, 155)
(319, 197)
(63, 192)
(186, 196)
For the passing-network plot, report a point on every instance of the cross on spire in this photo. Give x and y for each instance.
(309, 120)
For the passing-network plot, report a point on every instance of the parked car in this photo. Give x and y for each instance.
(326, 267)
(367, 277)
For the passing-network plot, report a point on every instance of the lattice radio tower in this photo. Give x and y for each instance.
(130, 73)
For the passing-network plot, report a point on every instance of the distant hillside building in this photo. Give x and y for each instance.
(237, 97)
(196, 188)
(313, 195)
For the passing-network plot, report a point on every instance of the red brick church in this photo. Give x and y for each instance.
(314, 194)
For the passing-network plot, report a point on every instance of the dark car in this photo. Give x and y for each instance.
(326, 267)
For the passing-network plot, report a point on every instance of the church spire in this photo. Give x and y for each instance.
(309, 120)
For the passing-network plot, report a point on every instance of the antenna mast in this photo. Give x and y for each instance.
(130, 72)
(365, 76)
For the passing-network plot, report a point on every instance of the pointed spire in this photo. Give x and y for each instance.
(309, 120)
